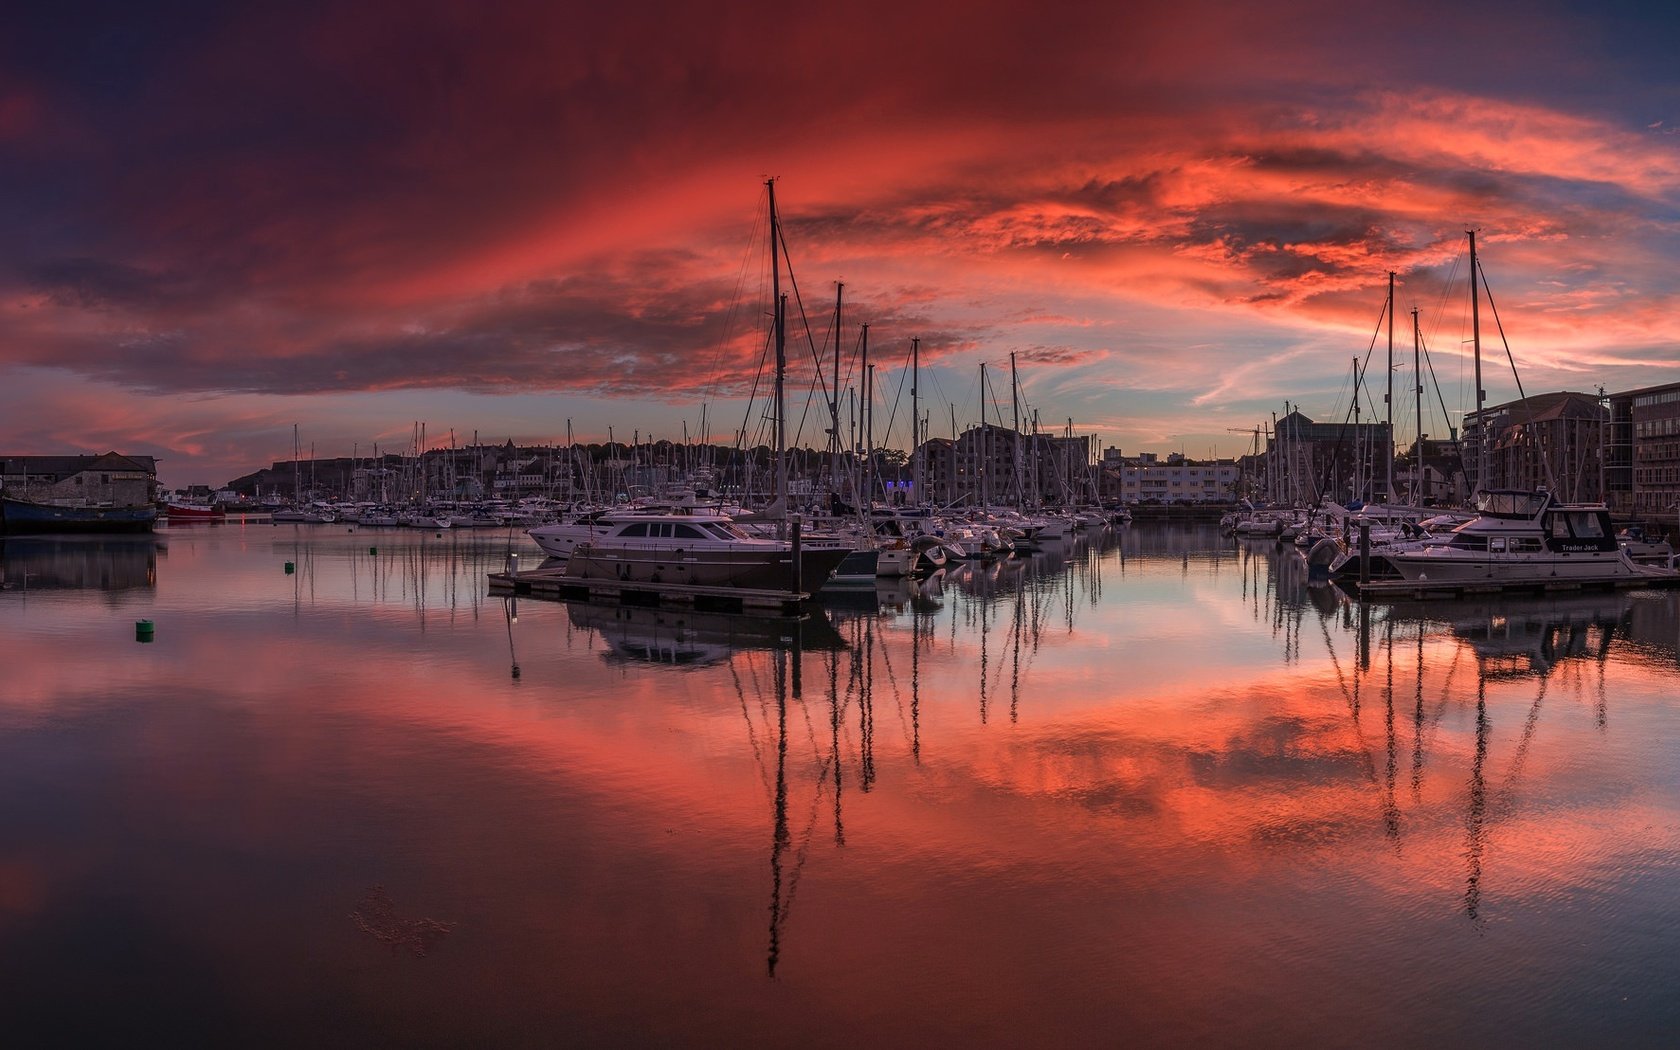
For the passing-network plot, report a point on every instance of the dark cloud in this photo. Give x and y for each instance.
(1060, 355)
(98, 285)
(646, 328)
(319, 196)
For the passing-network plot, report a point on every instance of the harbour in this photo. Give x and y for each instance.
(374, 795)
(534, 525)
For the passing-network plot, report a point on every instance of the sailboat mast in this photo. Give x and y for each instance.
(1476, 342)
(779, 304)
(834, 401)
(951, 478)
(985, 443)
(1358, 440)
(1274, 461)
(1388, 398)
(1015, 400)
(915, 420)
(1420, 478)
(1037, 467)
(868, 427)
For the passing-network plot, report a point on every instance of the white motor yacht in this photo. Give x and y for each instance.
(1521, 537)
(695, 550)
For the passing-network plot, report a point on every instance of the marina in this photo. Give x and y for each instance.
(1113, 772)
(680, 526)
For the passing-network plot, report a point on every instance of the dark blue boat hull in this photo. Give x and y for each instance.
(22, 517)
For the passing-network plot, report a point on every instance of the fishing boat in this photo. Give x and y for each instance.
(181, 513)
(687, 550)
(1521, 538)
(22, 517)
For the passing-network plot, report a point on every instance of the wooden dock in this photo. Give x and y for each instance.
(552, 582)
(1379, 590)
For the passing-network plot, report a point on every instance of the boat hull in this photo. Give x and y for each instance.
(23, 517)
(178, 514)
(1445, 565)
(754, 569)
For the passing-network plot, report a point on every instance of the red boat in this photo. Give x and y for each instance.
(186, 513)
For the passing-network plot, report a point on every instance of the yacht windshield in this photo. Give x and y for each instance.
(1511, 504)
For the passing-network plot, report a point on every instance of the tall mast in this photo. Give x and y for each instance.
(915, 420)
(834, 402)
(985, 443)
(1037, 469)
(779, 304)
(951, 478)
(868, 412)
(1286, 451)
(1481, 395)
(1358, 450)
(1015, 400)
(1420, 482)
(1274, 474)
(1388, 398)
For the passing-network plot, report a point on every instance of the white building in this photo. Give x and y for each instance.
(1144, 478)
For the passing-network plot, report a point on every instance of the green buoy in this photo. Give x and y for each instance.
(373, 550)
(142, 630)
(290, 568)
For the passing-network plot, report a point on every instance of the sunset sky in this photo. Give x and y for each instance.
(222, 220)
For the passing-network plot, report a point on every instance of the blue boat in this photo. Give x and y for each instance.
(25, 517)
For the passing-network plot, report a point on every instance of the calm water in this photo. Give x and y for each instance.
(1150, 791)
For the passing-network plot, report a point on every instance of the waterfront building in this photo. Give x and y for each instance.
(1431, 473)
(1144, 478)
(997, 465)
(1553, 441)
(1642, 453)
(105, 480)
(1307, 461)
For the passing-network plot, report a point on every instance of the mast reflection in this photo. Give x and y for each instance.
(1545, 643)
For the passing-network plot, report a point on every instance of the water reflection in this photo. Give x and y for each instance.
(1116, 772)
(99, 563)
(681, 637)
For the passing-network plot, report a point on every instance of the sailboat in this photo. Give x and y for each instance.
(1522, 538)
(684, 549)
(297, 513)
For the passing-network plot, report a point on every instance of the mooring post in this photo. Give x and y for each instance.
(1364, 553)
(798, 574)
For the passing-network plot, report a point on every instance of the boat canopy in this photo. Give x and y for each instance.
(1512, 503)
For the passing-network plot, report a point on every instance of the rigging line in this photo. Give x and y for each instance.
(793, 282)
(731, 316)
(1366, 364)
(1446, 417)
(752, 396)
(1448, 296)
(752, 734)
(898, 693)
(1366, 761)
(805, 414)
(1504, 798)
(817, 757)
(1528, 410)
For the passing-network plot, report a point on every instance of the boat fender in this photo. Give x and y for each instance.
(1324, 552)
